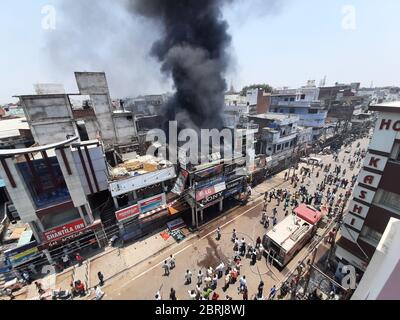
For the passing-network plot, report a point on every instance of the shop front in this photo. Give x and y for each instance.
(142, 217)
(76, 236)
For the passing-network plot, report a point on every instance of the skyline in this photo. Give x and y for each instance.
(288, 48)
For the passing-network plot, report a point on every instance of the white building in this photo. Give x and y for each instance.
(382, 277)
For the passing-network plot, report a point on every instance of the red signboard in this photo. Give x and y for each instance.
(127, 213)
(65, 230)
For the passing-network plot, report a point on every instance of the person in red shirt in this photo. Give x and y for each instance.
(80, 288)
(215, 296)
(78, 258)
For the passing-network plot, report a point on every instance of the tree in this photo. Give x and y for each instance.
(266, 87)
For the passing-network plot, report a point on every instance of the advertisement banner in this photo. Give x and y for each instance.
(209, 183)
(210, 172)
(152, 203)
(22, 254)
(210, 200)
(202, 194)
(65, 230)
(127, 213)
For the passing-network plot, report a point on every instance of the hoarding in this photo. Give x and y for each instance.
(65, 230)
(152, 203)
(210, 200)
(204, 193)
(127, 213)
(23, 254)
(210, 172)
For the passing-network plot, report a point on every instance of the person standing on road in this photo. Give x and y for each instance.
(254, 257)
(78, 258)
(258, 242)
(261, 288)
(200, 276)
(243, 247)
(220, 269)
(245, 294)
(172, 295)
(166, 268)
(101, 278)
(192, 294)
(65, 260)
(215, 296)
(172, 262)
(242, 284)
(266, 224)
(214, 282)
(188, 277)
(272, 293)
(99, 293)
(158, 296)
(218, 234)
(233, 235)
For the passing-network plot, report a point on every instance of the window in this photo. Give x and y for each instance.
(278, 147)
(395, 155)
(292, 99)
(291, 110)
(312, 111)
(370, 236)
(286, 99)
(303, 96)
(287, 145)
(390, 200)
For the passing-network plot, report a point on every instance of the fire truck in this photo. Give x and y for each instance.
(289, 236)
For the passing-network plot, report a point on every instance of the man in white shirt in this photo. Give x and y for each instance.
(200, 276)
(188, 277)
(99, 293)
(242, 283)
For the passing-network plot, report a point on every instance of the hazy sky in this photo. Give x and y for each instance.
(283, 45)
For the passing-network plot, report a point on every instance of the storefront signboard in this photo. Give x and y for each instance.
(127, 213)
(152, 203)
(65, 230)
(204, 193)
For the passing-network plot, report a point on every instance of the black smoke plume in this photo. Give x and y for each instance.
(193, 50)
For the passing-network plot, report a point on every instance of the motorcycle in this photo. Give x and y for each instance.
(61, 295)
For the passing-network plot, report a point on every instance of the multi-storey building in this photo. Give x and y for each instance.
(376, 196)
(302, 102)
(276, 137)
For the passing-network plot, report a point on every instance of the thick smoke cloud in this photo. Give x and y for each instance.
(94, 35)
(188, 37)
(192, 50)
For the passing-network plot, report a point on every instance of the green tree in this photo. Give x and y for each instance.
(266, 87)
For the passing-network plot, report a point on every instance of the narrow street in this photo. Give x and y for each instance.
(203, 251)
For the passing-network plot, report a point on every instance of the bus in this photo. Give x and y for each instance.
(289, 236)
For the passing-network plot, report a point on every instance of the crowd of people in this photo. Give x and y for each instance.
(326, 187)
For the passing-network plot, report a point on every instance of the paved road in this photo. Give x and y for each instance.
(143, 281)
